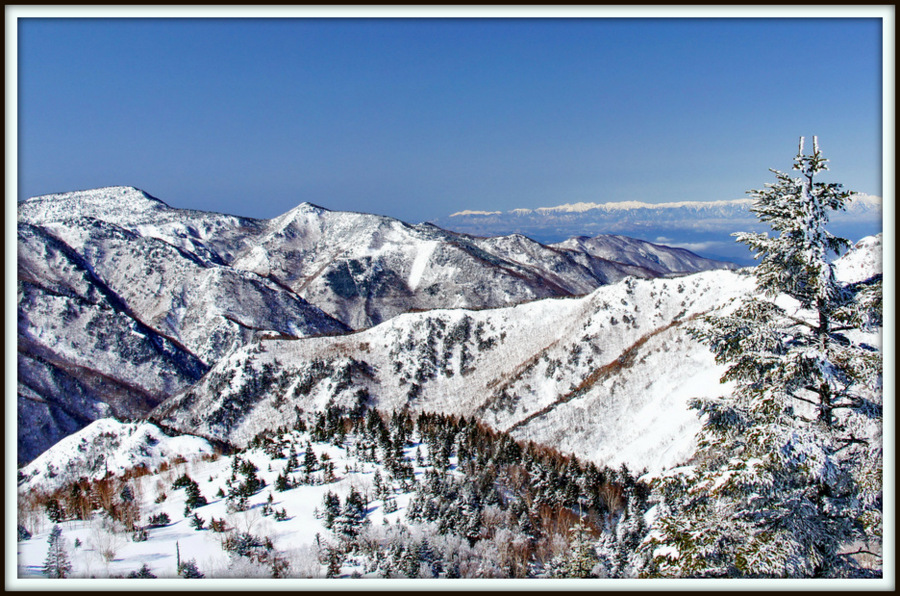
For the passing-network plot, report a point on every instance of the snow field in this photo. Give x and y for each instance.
(295, 537)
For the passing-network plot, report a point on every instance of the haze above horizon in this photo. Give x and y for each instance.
(419, 118)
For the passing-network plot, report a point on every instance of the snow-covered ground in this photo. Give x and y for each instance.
(295, 538)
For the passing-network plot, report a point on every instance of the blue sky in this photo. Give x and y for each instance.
(418, 118)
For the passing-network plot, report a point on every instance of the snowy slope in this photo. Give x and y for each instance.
(462, 520)
(862, 261)
(82, 355)
(294, 538)
(364, 269)
(617, 353)
(212, 237)
(106, 446)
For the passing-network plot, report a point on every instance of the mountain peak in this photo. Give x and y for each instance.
(110, 203)
(307, 207)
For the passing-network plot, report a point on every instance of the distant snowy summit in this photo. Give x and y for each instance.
(583, 207)
(860, 203)
(702, 227)
(120, 203)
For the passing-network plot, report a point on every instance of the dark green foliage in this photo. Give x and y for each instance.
(56, 565)
(310, 462)
(245, 544)
(194, 498)
(332, 509)
(197, 522)
(182, 481)
(54, 511)
(241, 488)
(334, 559)
(192, 492)
(158, 520)
(142, 573)
(188, 570)
(282, 483)
(22, 533)
(352, 515)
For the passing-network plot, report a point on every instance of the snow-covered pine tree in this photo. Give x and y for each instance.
(189, 570)
(581, 559)
(57, 564)
(788, 482)
(352, 515)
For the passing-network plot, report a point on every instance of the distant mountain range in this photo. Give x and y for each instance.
(124, 301)
(702, 227)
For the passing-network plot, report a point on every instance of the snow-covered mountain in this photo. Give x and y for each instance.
(123, 300)
(702, 227)
(364, 269)
(606, 376)
(662, 260)
(116, 314)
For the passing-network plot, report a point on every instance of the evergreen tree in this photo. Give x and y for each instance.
(143, 573)
(158, 520)
(428, 559)
(334, 559)
(57, 564)
(189, 570)
(607, 554)
(332, 509)
(54, 511)
(790, 461)
(310, 462)
(197, 522)
(378, 485)
(282, 482)
(22, 533)
(352, 515)
(194, 498)
(390, 503)
(582, 557)
(623, 557)
(291, 464)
